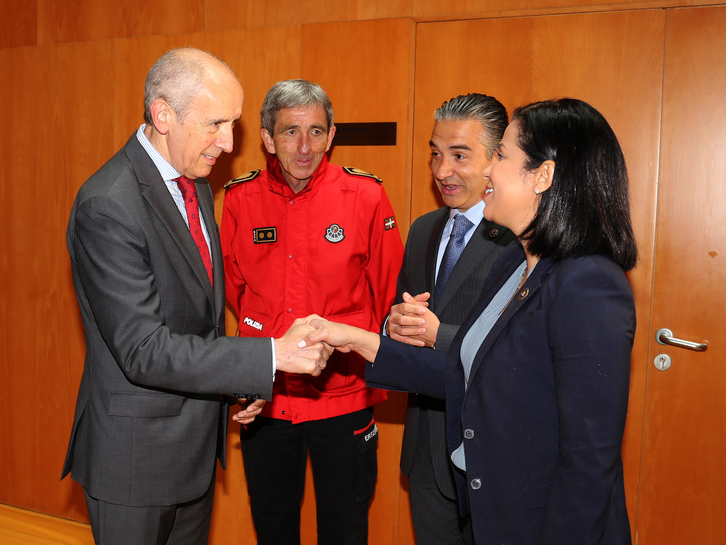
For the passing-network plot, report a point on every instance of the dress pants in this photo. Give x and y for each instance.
(182, 524)
(436, 518)
(343, 457)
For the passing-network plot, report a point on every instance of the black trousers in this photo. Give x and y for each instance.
(182, 524)
(344, 462)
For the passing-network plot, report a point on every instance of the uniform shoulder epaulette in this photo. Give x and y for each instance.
(358, 172)
(244, 178)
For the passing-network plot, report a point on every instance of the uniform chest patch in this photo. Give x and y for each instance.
(252, 323)
(334, 233)
(264, 235)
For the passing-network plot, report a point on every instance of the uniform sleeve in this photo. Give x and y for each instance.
(591, 328)
(384, 258)
(234, 281)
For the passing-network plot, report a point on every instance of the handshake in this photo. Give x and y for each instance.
(293, 355)
(305, 349)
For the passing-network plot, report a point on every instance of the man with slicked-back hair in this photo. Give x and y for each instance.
(467, 131)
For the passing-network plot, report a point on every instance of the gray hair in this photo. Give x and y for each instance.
(477, 107)
(178, 78)
(293, 93)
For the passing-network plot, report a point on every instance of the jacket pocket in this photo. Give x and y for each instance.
(144, 405)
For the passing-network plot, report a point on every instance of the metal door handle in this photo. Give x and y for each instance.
(665, 336)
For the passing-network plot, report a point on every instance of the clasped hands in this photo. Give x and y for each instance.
(411, 322)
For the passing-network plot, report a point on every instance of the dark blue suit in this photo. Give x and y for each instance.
(545, 407)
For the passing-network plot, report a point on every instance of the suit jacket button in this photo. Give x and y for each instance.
(469, 434)
(475, 484)
(493, 233)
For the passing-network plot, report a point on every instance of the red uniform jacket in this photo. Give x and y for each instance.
(334, 250)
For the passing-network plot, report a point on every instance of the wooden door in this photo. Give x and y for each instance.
(683, 482)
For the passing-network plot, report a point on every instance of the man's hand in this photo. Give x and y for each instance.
(293, 359)
(411, 322)
(249, 410)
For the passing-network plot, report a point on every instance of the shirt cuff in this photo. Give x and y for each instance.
(274, 359)
(384, 330)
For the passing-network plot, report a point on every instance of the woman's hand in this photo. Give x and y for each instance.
(344, 338)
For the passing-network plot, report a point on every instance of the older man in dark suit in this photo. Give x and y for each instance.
(147, 269)
(449, 253)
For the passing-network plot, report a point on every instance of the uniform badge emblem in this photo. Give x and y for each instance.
(389, 223)
(265, 235)
(334, 233)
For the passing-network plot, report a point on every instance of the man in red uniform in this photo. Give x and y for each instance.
(305, 236)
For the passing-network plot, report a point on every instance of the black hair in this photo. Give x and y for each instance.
(477, 107)
(586, 210)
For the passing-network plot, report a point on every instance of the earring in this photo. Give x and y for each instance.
(536, 191)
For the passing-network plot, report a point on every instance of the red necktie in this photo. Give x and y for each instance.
(191, 203)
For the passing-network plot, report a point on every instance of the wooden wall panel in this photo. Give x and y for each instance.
(471, 9)
(367, 83)
(611, 60)
(61, 135)
(84, 20)
(19, 23)
(226, 14)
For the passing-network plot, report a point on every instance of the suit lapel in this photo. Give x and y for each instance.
(478, 246)
(157, 195)
(524, 294)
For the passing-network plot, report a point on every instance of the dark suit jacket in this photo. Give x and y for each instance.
(418, 275)
(149, 419)
(544, 410)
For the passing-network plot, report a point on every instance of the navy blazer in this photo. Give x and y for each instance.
(544, 410)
